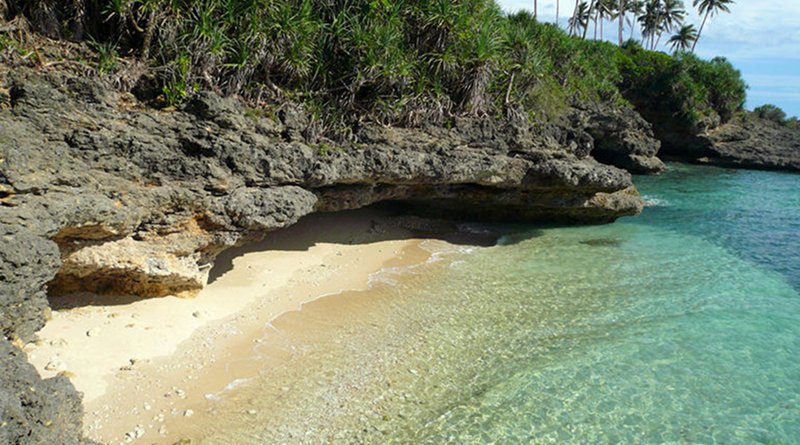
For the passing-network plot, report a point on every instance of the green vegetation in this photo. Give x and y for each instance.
(401, 62)
(682, 85)
(775, 114)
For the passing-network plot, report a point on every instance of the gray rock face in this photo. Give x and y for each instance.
(744, 142)
(101, 196)
(35, 411)
(120, 199)
(751, 142)
(621, 138)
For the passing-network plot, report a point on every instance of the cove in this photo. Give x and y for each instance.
(678, 326)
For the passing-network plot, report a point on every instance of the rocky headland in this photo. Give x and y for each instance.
(101, 193)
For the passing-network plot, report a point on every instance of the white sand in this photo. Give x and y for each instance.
(140, 361)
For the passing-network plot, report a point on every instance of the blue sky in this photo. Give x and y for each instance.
(760, 37)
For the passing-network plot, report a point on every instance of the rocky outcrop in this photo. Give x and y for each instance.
(751, 142)
(746, 141)
(142, 201)
(100, 194)
(35, 411)
(621, 137)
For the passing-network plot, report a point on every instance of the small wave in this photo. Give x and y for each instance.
(474, 228)
(235, 383)
(651, 201)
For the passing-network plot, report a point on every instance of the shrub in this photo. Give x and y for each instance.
(771, 112)
(683, 85)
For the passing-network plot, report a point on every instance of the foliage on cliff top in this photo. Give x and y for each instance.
(402, 62)
(682, 85)
(775, 114)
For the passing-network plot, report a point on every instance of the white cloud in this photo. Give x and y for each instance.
(753, 28)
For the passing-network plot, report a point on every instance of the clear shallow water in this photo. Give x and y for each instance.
(679, 326)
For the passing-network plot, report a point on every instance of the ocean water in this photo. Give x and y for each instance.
(678, 326)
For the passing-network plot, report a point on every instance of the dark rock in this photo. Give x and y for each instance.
(32, 410)
(751, 142)
(269, 209)
(27, 262)
(621, 138)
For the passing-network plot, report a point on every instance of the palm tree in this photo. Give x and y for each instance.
(622, 8)
(636, 8)
(573, 19)
(684, 39)
(557, 11)
(650, 22)
(535, 9)
(580, 20)
(604, 9)
(588, 13)
(707, 8)
(672, 15)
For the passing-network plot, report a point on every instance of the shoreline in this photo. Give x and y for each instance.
(187, 352)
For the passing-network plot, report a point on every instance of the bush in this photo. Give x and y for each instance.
(771, 112)
(682, 86)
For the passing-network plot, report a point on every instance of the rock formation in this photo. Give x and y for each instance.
(100, 194)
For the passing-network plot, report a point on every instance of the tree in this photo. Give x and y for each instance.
(672, 15)
(650, 23)
(684, 39)
(603, 10)
(557, 10)
(709, 8)
(622, 8)
(574, 18)
(636, 8)
(535, 9)
(588, 13)
(580, 20)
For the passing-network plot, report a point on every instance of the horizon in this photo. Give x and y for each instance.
(762, 41)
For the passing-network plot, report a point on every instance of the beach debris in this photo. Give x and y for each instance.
(162, 430)
(251, 412)
(58, 342)
(199, 314)
(147, 406)
(134, 434)
(179, 392)
(188, 413)
(55, 365)
(94, 332)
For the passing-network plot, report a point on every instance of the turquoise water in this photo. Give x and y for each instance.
(678, 326)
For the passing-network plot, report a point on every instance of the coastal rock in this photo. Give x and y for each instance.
(746, 141)
(621, 137)
(141, 202)
(751, 142)
(107, 199)
(36, 411)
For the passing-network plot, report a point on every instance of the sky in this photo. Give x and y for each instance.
(760, 37)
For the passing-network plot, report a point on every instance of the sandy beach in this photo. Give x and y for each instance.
(143, 365)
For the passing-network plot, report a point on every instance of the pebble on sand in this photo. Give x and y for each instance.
(55, 365)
